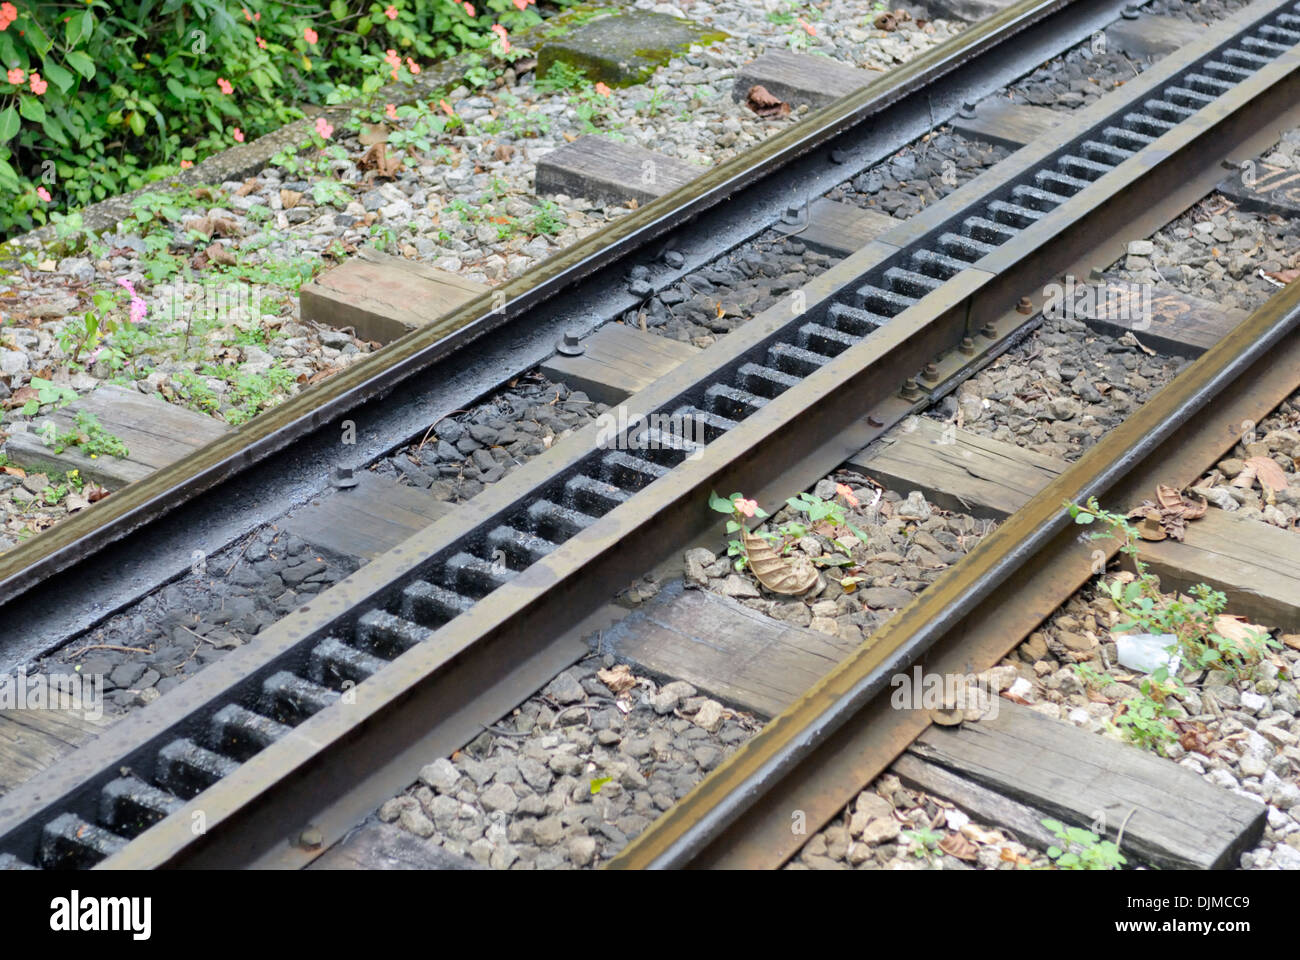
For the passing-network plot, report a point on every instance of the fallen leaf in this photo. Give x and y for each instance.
(219, 254)
(765, 104)
(377, 159)
(1292, 640)
(372, 133)
(1284, 276)
(958, 846)
(289, 198)
(18, 472)
(1268, 473)
(1010, 856)
(777, 573)
(249, 185)
(618, 678)
(503, 152)
(1239, 629)
(974, 831)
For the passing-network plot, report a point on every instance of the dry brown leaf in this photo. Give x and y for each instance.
(1284, 276)
(372, 134)
(973, 831)
(618, 678)
(14, 471)
(1238, 629)
(1010, 856)
(1268, 473)
(1246, 477)
(219, 254)
(958, 846)
(249, 185)
(377, 159)
(1292, 640)
(289, 198)
(503, 152)
(765, 104)
(777, 573)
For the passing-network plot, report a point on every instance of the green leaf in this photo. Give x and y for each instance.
(598, 783)
(31, 109)
(1084, 518)
(63, 79)
(9, 124)
(82, 64)
(137, 122)
(177, 90)
(1053, 852)
(1054, 825)
(339, 9)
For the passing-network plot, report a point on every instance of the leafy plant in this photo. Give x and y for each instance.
(1191, 618)
(47, 392)
(923, 843)
(90, 437)
(738, 510)
(1082, 849)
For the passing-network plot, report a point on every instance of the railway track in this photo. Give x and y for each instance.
(281, 748)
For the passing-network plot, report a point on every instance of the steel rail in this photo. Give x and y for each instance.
(211, 473)
(424, 701)
(689, 833)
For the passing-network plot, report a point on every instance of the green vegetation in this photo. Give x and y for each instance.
(1082, 849)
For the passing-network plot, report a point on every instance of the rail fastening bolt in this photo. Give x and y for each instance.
(967, 346)
(967, 109)
(344, 478)
(1130, 11)
(989, 330)
(311, 839)
(873, 422)
(911, 389)
(571, 345)
(931, 372)
(1024, 306)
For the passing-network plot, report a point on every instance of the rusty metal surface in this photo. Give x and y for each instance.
(345, 756)
(817, 754)
(145, 502)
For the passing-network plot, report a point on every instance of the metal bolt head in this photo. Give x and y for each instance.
(911, 389)
(1130, 11)
(1024, 306)
(931, 372)
(344, 478)
(571, 344)
(839, 156)
(875, 422)
(989, 330)
(967, 346)
(967, 109)
(311, 839)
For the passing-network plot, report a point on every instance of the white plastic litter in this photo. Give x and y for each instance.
(1146, 651)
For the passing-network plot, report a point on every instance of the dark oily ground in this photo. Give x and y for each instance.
(736, 287)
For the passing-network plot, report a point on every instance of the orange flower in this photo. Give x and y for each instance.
(446, 108)
(225, 86)
(186, 164)
(747, 507)
(310, 35)
(391, 111)
(391, 12)
(845, 491)
(603, 90)
(261, 43)
(811, 30)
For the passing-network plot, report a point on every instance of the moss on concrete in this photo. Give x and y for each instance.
(620, 48)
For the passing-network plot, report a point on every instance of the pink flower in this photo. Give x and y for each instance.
(392, 59)
(38, 85)
(138, 309)
(391, 13)
(845, 491)
(8, 14)
(747, 507)
(248, 16)
(522, 4)
(261, 43)
(412, 66)
(16, 76)
(811, 30)
(238, 135)
(603, 90)
(43, 194)
(186, 164)
(391, 111)
(310, 35)
(323, 128)
(446, 108)
(500, 31)
(127, 285)
(469, 8)
(225, 85)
